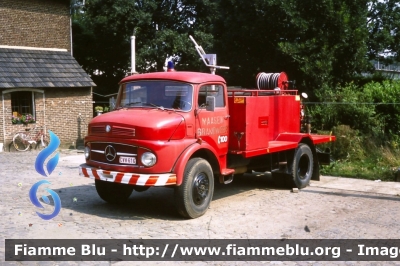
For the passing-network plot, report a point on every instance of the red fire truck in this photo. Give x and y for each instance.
(186, 129)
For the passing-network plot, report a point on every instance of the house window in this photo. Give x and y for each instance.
(22, 102)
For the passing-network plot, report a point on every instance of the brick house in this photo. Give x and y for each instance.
(38, 74)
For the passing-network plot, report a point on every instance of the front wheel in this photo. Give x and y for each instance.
(302, 168)
(19, 142)
(193, 196)
(113, 193)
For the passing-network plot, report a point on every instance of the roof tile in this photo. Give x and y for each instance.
(40, 68)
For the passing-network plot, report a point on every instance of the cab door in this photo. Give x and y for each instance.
(213, 126)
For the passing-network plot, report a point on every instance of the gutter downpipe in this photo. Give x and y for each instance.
(4, 122)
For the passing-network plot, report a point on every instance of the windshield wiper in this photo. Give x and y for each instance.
(129, 104)
(157, 106)
(145, 103)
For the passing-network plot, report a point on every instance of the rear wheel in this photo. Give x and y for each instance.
(19, 142)
(113, 193)
(193, 196)
(302, 168)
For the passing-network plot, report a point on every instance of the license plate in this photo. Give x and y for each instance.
(127, 160)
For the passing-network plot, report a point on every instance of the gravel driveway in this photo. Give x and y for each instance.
(249, 208)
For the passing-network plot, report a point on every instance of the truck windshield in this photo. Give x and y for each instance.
(156, 94)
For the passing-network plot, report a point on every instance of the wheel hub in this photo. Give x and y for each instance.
(200, 188)
(304, 166)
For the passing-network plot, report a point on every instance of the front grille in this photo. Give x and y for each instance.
(103, 152)
(96, 130)
(116, 131)
(123, 132)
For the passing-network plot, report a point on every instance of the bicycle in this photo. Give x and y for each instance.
(22, 141)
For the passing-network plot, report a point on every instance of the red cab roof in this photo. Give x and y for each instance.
(189, 77)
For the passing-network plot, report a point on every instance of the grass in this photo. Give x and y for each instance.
(363, 157)
(366, 169)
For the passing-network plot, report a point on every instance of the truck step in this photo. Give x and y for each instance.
(226, 179)
(227, 171)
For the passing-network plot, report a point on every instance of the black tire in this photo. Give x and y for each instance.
(113, 193)
(193, 196)
(302, 168)
(20, 144)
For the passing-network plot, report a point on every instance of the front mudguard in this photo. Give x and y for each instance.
(188, 153)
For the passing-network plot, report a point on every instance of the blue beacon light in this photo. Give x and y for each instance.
(170, 67)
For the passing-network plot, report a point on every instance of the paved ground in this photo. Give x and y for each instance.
(249, 208)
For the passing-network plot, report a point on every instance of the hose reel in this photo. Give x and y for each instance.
(271, 81)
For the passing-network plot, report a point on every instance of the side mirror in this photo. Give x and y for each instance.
(210, 103)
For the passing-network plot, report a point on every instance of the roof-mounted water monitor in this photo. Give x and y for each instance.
(210, 60)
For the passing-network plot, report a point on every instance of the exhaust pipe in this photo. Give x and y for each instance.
(133, 56)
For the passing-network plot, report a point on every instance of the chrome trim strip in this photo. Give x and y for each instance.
(131, 165)
(118, 143)
(127, 154)
(118, 153)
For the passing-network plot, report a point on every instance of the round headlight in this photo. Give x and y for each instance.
(87, 152)
(148, 159)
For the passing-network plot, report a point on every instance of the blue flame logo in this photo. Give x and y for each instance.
(35, 201)
(51, 165)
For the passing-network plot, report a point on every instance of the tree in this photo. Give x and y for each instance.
(384, 28)
(102, 36)
(101, 43)
(316, 42)
(247, 35)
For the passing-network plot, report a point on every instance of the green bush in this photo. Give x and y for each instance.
(348, 145)
(386, 97)
(365, 120)
(343, 106)
(373, 109)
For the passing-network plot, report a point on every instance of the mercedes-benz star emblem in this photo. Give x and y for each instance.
(108, 128)
(110, 153)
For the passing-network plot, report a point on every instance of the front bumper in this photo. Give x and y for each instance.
(128, 178)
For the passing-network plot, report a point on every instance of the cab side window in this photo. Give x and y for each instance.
(211, 90)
